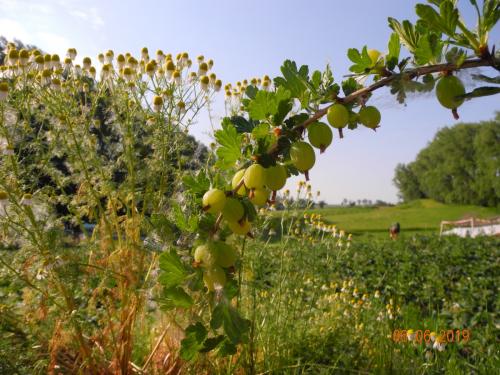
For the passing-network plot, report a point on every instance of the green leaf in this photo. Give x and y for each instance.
(491, 15)
(481, 91)
(175, 297)
(211, 343)
(193, 341)
(481, 77)
(296, 120)
(431, 18)
(184, 222)
(242, 125)
(362, 61)
(260, 131)
(227, 348)
(266, 103)
(164, 228)
(226, 316)
(316, 79)
(173, 271)
(394, 47)
(296, 81)
(406, 32)
(197, 183)
(284, 107)
(250, 211)
(429, 49)
(229, 141)
(349, 86)
(251, 91)
(456, 56)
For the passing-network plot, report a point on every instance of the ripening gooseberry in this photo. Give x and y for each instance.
(255, 177)
(233, 210)
(447, 90)
(214, 278)
(374, 56)
(214, 201)
(225, 255)
(338, 116)
(260, 196)
(276, 177)
(204, 255)
(302, 156)
(369, 116)
(320, 135)
(241, 227)
(238, 177)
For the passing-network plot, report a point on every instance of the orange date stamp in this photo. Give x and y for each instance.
(429, 337)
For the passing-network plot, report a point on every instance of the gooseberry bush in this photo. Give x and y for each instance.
(109, 148)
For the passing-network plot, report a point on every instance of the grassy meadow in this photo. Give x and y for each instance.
(423, 216)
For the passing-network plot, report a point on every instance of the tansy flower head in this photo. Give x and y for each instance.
(170, 66)
(87, 62)
(27, 200)
(4, 90)
(71, 53)
(3, 195)
(157, 103)
(218, 85)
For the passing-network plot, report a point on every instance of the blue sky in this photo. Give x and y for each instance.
(253, 38)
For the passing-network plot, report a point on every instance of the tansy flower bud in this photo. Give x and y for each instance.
(218, 85)
(210, 63)
(151, 68)
(120, 61)
(27, 200)
(176, 77)
(192, 77)
(181, 106)
(144, 53)
(200, 59)
(100, 58)
(24, 56)
(87, 63)
(204, 81)
(203, 69)
(9, 150)
(108, 57)
(3, 196)
(56, 84)
(157, 103)
(92, 72)
(71, 53)
(13, 57)
(4, 90)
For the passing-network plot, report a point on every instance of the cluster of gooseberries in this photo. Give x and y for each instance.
(254, 183)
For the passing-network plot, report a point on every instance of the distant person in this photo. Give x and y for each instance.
(394, 231)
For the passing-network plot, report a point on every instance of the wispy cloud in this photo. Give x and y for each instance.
(48, 41)
(88, 15)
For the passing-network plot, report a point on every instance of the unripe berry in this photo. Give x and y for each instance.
(214, 201)
(370, 117)
(338, 116)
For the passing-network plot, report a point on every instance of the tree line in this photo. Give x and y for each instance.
(461, 165)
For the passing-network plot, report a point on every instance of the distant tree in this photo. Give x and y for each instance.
(321, 204)
(461, 165)
(407, 183)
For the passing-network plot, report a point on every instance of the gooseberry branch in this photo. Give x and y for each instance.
(411, 74)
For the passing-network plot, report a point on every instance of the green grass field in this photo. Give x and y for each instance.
(423, 215)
